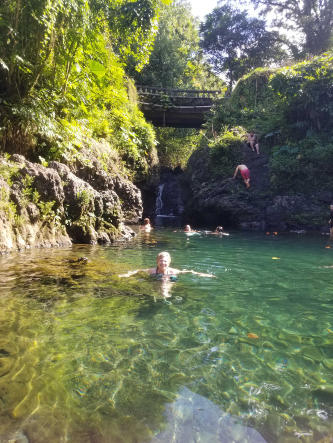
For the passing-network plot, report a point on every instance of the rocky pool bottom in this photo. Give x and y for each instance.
(246, 357)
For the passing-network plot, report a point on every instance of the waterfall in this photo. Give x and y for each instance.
(169, 204)
(159, 201)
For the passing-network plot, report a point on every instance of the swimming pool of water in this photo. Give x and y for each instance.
(86, 356)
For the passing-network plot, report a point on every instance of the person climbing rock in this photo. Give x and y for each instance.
(252, 141)
(245, 173)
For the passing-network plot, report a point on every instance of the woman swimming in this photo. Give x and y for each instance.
(163, 269)
(164, 273)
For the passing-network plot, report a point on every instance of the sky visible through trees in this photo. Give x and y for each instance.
(201, 8)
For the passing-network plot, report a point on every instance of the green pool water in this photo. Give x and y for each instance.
(86, 356)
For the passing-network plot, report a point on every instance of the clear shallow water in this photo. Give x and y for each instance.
(88, 357)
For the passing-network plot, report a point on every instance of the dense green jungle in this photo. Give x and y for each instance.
(68, 76)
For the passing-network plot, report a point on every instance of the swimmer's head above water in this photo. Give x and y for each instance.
(163, 261)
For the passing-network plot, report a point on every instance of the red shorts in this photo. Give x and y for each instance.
(245, 174)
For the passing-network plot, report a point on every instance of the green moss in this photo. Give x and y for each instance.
(7, 207)
(8, 170)
(226, 151)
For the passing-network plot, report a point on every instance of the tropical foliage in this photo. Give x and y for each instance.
(291, 109)
(313, 19)
(236, 43)
(177, 60)
(175, 145)
(62, 80)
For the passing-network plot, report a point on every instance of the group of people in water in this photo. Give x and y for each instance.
(147, 227)
(168, 275)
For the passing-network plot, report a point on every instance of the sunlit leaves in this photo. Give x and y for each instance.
(177, 60)
(64, 82)
(134, 26)
(236, 43)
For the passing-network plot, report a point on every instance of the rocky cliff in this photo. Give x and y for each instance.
(57, 204)
(219, 200)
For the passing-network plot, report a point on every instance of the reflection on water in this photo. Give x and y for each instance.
(88, 357)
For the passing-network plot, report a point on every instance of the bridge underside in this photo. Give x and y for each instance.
(175, 117)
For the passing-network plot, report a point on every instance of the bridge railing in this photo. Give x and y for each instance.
(176, 93)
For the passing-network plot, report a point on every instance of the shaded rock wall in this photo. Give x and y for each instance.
(57, 205)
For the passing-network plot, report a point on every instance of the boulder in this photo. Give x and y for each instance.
(78, 204)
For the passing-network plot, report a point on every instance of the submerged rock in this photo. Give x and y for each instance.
(192, 417)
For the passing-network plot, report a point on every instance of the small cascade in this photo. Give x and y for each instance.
(159, 201)
(169, 203)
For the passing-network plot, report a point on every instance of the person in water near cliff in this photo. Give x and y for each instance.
(219, 231)
(189, 229)
(252, 141)
(147, 227)
(163, 269)
(245, 173)
(330, 222)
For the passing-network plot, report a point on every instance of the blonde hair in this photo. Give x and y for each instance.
(164, 254)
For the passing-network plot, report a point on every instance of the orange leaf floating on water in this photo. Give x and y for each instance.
(275, 258)
(252, 335)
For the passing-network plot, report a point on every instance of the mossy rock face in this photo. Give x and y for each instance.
(51, 206)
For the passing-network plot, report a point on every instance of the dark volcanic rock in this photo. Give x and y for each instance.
(213, 200)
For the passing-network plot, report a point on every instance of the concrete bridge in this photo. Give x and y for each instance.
(177, 108)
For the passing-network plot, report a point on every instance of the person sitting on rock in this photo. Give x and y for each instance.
(245, 173)
(252, 141)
